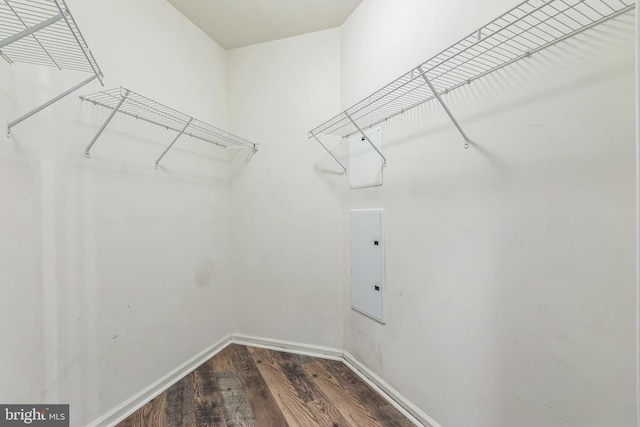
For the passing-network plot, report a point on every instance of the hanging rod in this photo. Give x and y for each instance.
(43, 32)
(130, 103)
(528, 28)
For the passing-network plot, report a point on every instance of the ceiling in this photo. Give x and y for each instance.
(237, 23)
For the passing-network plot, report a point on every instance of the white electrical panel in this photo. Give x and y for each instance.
(367, 262)
(365, 164)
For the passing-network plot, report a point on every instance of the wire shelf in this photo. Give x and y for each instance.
(527, 28)
(130, 103)
(43, 32)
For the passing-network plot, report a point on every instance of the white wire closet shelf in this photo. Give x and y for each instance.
(43, 32)
(531, 26)
(130, 103)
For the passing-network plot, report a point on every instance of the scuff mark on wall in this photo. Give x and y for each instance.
(204, 275)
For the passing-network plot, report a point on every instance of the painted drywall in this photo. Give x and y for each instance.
(113, 273)
(287, 235)
(510, 266)
(637, 223)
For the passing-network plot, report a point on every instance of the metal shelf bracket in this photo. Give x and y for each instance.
(173, 142)
(30, 30)
(446, 109)
(104, 125)
(344, 168)
(364, 135)
(48, 103)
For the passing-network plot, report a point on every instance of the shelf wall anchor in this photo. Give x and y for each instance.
(467, 141)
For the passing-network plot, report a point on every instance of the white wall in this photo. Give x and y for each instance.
(112, 273)
(510, 266)
(286, 210)
(637, 222)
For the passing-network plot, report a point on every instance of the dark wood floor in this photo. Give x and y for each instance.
(247, 386)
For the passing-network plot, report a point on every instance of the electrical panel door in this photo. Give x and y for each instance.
(367, 262)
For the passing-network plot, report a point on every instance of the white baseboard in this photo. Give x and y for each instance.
(408, 409)
(137, 401)
(288, 346)
(129, 406)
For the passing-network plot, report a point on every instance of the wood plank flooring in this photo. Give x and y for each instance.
(253, 387)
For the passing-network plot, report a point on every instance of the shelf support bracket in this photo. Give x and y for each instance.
(467, 141)
(29, 31)
(48, 103)
(330, 153)
(384, 159)
(104, 125)
(174, 141)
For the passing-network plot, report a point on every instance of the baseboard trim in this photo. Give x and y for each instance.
(411, 411)
(288, 346)
(129, 406)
